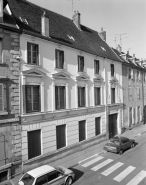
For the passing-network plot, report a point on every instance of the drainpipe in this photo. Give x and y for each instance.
(143, 94)
(106, 106)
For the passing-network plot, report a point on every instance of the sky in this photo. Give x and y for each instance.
(125, 18)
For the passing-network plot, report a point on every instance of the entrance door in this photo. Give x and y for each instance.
(112, 125)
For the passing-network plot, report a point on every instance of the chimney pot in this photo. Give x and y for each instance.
(45, 25)
(102, 34)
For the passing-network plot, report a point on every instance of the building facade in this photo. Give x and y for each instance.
(133, 73)
(10, 129)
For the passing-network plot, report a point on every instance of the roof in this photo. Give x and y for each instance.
(128, 59)
(40, 170)
(62, 29)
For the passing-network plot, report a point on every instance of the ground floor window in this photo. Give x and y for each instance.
(3, 176)
(61, 136)
(97, 126)
(34, 143)
(82, 130)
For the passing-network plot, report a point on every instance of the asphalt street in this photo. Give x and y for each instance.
(114, 169)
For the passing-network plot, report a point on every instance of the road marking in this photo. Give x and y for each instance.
(138, 178)
(92, 161)
(123, 174)
(95, 168)
(111, 169)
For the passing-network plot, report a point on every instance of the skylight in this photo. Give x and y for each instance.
(103, 48)
(71, 37)
(23, 20)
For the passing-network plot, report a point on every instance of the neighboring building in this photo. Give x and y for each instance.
(71, 85)
(133, 85)
(10, 130)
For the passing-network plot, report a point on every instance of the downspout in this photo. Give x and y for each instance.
(106, 106)
(143, 95)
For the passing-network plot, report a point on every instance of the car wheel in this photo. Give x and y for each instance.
(69, 181)
(132, 145)
(121, 152)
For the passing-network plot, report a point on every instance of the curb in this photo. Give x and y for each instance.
(139, 134)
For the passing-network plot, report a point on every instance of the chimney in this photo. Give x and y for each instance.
(128, 52)
(45, 25)
(102, 34)
(1, 11)
(119, 48)
(76, 19)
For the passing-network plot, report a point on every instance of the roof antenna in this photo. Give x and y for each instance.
(73, 6)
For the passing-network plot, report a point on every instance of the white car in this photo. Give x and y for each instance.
(46, 174)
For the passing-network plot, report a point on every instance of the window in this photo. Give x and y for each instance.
(112, 70)
(81, 96)
(0, 50)
(32, 54)
(138, 75)
(130, 92)
(138, 92)
(34, 143)
(97, 95)
(42, 180)
(112, 95)
(60, 97)
(59, 56)
(3, 176)
(1, 97)
(54, 175)
(32, 98)
(27, 179)
(96, 66)
(129, 73)
(138, 114)
(80, 64)
(82, 130)
(97, 126)
(61, 136)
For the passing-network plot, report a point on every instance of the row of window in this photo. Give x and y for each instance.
(32, 57)
(138, 92)
(34, 137)
(135, 75)
(33, 97)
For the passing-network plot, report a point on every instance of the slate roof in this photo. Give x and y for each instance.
(128, 60)
(86, 40)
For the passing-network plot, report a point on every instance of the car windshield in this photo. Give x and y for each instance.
(27, 179)
(116, 142)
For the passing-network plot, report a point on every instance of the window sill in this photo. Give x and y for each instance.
(32, 114)
(32, 65)
(59, 69)
(3, 113)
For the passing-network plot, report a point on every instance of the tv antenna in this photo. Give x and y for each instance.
(73, 5)
(115, 40)
(121, 37)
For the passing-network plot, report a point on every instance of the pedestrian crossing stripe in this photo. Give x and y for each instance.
(95, 168)
(124, 173)
(92, 161)
(112, 169)
(138, 178)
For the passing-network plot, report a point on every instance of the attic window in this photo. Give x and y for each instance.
(71, 37)
(23, 20)
(103, 48)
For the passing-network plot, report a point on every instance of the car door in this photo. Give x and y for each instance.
(123, 144)
(56, 178)
(42, 180)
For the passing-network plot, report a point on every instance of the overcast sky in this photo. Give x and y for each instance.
(115, 16)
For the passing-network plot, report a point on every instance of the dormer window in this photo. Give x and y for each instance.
(96, 66)
(112, 70)
(59, 56)
(32, 54)
(80, 64)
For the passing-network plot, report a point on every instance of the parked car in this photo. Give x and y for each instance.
(118, 144)
(46, 175)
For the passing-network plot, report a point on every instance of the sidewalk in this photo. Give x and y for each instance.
(91, 152)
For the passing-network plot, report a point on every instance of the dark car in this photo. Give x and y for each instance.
(118, 144)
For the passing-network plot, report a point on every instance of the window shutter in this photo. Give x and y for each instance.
(78, 63)
(1, 97)
(24, 98)
(0, 50)
(97, 126)
(56, 97)
(79, 96)
(61, 136)
(82, 130)
(5, 99)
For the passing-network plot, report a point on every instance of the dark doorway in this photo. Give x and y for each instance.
(130, 117)
(112, 125)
